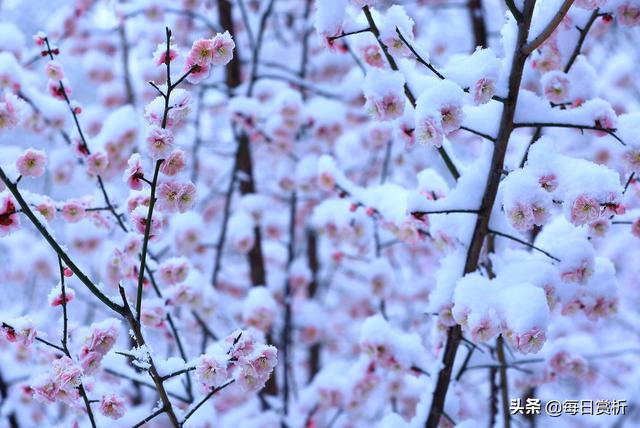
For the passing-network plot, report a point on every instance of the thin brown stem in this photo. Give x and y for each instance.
(504, 383)
(549, 29)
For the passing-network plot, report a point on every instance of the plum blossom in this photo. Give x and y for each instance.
(73, 210)
(556, 86)
(139, 220)
(9, 218)
(168, 195)
(197, 72)
(45, 389)
(9, 111)
(628, 14)
(584, 209)
(373, 56)
(134, 173)
(383, 91)
(154, 313)
(174, 270)
(47, 209)
(211, 369)
(186, 197)
(67, 373)
(160, 55)
(483, 90)
(174, 163)
(260, 309)
(112, 406)
(223, 46)
(201, 52)
(429, 131)
(97, 163)
(529, 342)
(564, 363)
(254, 369)
(159, 142)
(102, 336)
(20, 330)
(54, 71)
(635, 228)
(31, 163)
(59, 89)
(56, 299)
(396, 19)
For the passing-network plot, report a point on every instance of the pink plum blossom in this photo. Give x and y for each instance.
(174, 163)
(223, 46)
(211, 370)
(112, 406)
(134, 173)
(73, 210)
(31, 163)
(9, 218)
(584, 209)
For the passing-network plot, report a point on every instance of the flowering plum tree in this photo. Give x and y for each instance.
(329, 213)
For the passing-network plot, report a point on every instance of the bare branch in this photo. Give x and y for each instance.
(549, 29)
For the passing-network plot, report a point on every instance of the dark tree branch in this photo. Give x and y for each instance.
(525, 243)
(204, 400)
(549, 29)
(610, 131)
(481, 228)
(158, 412)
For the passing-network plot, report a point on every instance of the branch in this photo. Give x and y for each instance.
(145, 240)
(525, 243)
(56, 247)
(418, 56)
(610, 131)
(153, 371)
(148, 418)
(452, 211)
(204, 400)
(550, 28)
(144, 383)
(628, 183)
(177, 373)
(85, 146)
(454, 335)
(514, 10)
(473, 131)
(343, 34)
(504, 382)
(392, 63)
(583, 36)
(432, 68)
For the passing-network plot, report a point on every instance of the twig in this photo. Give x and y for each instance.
(412, 99)
(177, 373)
(56, 247)
(144, 383)
(349, 33)
(550, 28)
(504, 382)
(153, 372)
(204, 400)
(148, 418)
(525, 243)
(628, 183)
(610, 131)
(583, 35)
(514, 10)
